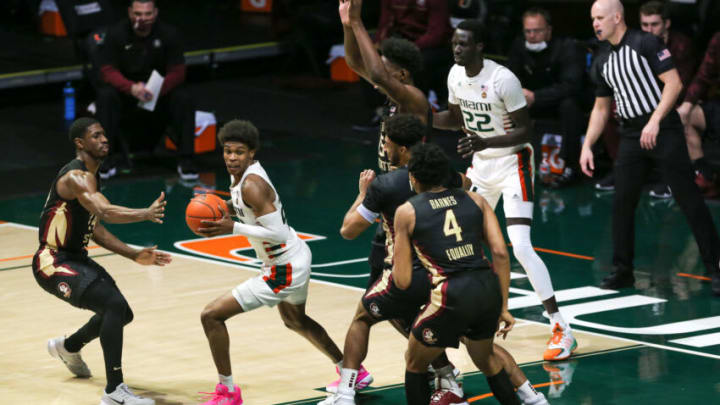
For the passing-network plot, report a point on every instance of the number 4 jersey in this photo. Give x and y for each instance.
(486, 100)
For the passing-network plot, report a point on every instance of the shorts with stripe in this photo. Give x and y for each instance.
(286, 282)
(511, 177)
(465, 304)
(65, 274)
(383, 300)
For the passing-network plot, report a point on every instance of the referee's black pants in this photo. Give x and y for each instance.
(632, 165)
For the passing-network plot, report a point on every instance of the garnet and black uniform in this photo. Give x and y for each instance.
(382, 299)
(465, 299)
(61, 264)
(377, 252)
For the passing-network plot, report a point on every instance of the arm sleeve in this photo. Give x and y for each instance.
(568, 79)
(510, 89)
(708, 72)
(656, 53)
(113, 77)
(438, 25)
(174, 77)
(369, 216)
(272, 228)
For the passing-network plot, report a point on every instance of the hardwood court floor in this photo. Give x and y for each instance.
(165, 353)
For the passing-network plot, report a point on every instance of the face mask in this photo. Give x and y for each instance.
(535, 47)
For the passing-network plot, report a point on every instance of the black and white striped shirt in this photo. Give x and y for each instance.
(629, 72)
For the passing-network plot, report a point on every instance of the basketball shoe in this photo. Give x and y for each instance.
(561, 345)
(73, 361)
(363, 380)
(223, 396)
(338, 399)
(123, 396)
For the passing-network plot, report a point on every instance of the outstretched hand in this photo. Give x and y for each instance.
(156, 210)
(506, 323)
(150, 255)
(222, 226)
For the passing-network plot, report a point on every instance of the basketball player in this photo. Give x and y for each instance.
(445, 227)
(286, 259)
(380, 197)
(61, 266)
(487, 102)
(393, 75)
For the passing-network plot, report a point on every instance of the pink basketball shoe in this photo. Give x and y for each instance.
(222, 396)
(363, 380)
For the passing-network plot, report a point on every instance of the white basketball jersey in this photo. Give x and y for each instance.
(486, 101)
(271, 253)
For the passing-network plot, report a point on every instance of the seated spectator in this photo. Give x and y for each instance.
(131, 51)
(694, 114)
(551, 71)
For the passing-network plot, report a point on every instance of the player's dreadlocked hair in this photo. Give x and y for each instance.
(403, 53)
(80, 126)
(240, 131)
(477, 28)
(429, 164)
(405, 129)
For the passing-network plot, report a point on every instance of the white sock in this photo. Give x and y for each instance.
(339, 365)
(348, 379)
(526, 391)
(227, 381)
(556, 317)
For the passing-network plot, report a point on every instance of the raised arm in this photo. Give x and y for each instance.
(83, 186)
(402, 257)
(411, 98)
(352, 52)
(357, 219)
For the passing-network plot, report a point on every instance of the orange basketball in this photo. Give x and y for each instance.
(203, 207)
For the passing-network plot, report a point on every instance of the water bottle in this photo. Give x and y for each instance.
(69, 95)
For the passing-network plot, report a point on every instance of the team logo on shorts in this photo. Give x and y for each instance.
(429, 336)
(374, 310)
(64, 289)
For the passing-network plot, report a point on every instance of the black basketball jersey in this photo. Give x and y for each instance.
(448, 233)
(65, 224)
(389, 191)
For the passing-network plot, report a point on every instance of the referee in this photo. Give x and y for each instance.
(637, 70)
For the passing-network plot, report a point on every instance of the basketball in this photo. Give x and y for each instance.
(203, 207)
(446, 397)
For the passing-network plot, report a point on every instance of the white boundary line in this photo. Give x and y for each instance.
(215, 261)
